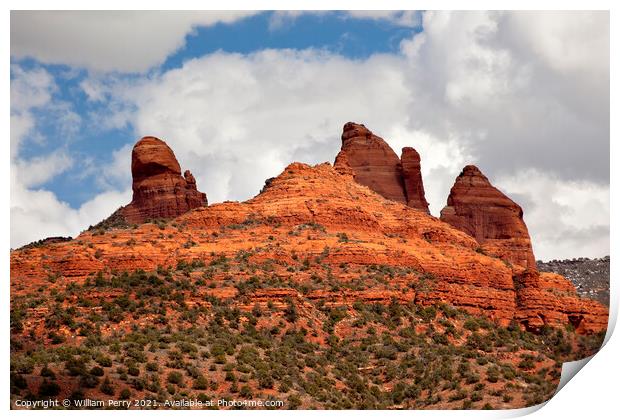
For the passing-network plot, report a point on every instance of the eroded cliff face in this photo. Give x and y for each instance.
(318, 214)
(550, 299)
(373, 163)
(159, 189)
(474, 205)
(479, 209)
(412, 179)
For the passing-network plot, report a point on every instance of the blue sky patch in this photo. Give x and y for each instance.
(91, 145)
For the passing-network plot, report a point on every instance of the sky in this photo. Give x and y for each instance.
(240, 95)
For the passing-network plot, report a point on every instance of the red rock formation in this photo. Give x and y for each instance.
(412, 178)
(341, 165)
(159, 190)
(478, 208)
(373, 163)
(550, 299)
(306, 211)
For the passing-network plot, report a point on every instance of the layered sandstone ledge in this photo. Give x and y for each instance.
(479, 209)
(373, 163)
(303, 212)
(159, 189)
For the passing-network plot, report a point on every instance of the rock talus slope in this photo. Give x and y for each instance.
(590, 276)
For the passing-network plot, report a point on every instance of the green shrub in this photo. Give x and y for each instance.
(46, 372)
(493, 374)
(471, 324)
(104, 361)
(48, 389)
(89, 381)
(75, 367)
(200, 383)
(475, 396)
(427, 313)
(265, 381)
(124, 394)
(96, 371)
(527, 362)
(294, 402)
(245, 392)
(175, 377)
(107, 387)
(18, 381)
(290, 313)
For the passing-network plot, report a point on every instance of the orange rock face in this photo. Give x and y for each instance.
(317, 214)
(479, 209)
(374, 164)
(548, 298)
(412, 178)
(159, 190)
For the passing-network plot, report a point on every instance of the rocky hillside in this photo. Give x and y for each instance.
(356, 225)
(590, 276)
(320, 292)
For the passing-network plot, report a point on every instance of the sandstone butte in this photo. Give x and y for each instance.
(302, 213)
(474, 205)
(159, 189)
(479, 209)
(373, 163)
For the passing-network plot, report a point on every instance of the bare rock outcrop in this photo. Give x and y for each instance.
(373, 163)
(316, 213)
(159, 189)
(412, 179)
(496, 222)
(550, 299)
(478, 257)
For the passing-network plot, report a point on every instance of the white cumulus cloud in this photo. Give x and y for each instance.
(123, 41)
(37, 213)
(565, 218)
